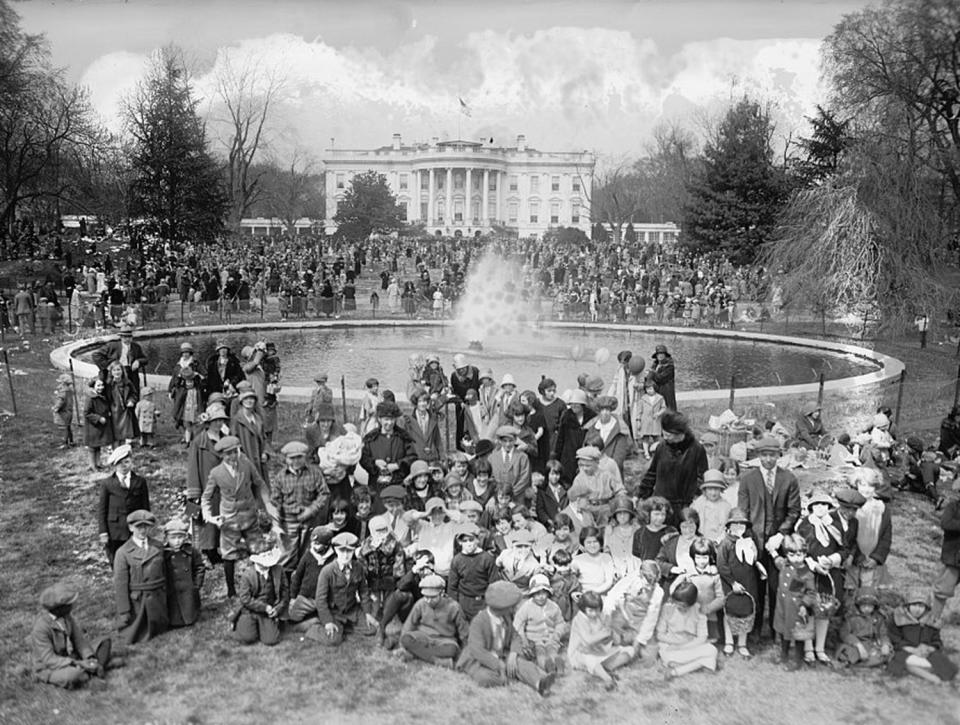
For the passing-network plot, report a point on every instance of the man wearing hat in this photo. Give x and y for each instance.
(510, 466)
(463, 378)
(202, 458)
(300, 494)
(241, 492)
(140, 582)
(436, 629)
(62, 655)
(264, 597)
(770, 497)
(127, 352)
(662, 372)
(122, 492)
(387, 449)
(343, 597)
(492, 655)
(223, 371)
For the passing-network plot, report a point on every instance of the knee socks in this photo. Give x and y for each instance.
(229, 568)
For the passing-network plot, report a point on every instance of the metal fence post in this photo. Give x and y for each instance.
(896, 415)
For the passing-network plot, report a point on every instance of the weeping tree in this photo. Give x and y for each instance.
(867, 240)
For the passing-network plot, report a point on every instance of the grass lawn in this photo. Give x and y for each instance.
(47, 532)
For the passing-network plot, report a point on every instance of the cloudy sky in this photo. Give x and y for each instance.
(570, 75)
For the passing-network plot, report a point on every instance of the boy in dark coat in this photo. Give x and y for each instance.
(303, 582)
(343, 597)
(492, 654)
(471, 572)
(139, 580)
(185, 574)
(121, 493)
(264, 597)
(946, 582)
(62, 656)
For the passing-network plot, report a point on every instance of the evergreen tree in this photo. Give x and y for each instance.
(176, 180)
(735, 201)
(368, 206)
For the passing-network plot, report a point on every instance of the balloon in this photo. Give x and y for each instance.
(636, 365)
(601, 355)
(576, 352)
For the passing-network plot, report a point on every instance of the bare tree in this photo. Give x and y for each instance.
(293, 190)
(616, 195)
(247, 93)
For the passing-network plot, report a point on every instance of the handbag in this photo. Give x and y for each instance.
(827, 604)
(803, 628)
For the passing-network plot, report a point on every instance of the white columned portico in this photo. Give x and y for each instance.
(448, 212)
(500, 186)
(431, 208)
(468, 198)
(485, 196)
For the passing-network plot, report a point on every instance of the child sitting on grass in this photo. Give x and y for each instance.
(539, 623)
(865, 641)
(918, 648)
(682, 634)
(591, 646)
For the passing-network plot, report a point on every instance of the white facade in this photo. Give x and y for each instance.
(461, 188)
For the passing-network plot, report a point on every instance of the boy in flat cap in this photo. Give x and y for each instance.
(343, 597)
(185, 574)
(62, 655)
(436, 629)
(300, 494)
(140, 582)
(122, 492)
(492, 655)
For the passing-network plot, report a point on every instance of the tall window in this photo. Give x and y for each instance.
(554, 183)
(534, 211)
(513, 182)
(575, 212)
(576, 184)
(457, 181)
(535, 184)
(403, 182)
(493, 182)
(425, 181)
(341, 180)
(513, 212)
(404, 210)
(554, 212)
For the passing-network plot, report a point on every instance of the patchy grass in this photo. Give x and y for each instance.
(47, 532)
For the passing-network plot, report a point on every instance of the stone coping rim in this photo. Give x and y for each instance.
(890, 367)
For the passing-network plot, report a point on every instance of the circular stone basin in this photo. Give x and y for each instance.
(706, 360)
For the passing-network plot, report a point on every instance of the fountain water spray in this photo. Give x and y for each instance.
(493, 303)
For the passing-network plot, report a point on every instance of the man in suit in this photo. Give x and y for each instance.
(125, 351)
(121, 493)
(770, 497)
(510, 466)
(424, 429)
(493, 656)
(242, 492)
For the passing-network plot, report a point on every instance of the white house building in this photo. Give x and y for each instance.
(462, 188)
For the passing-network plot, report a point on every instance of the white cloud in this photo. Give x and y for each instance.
(562, 87)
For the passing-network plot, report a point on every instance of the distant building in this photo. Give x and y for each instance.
(464, 188)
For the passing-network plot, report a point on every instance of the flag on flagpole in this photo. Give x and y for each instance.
(464, 108)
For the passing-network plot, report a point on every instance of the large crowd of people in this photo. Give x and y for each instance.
(590, 529)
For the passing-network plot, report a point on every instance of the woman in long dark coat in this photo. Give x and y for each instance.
(123, 398)
(663, 373)
(570, 434)
(98, 423)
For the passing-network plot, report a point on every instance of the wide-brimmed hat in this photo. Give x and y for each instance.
(268, 558)
(621, 504)
(660, 349)
(820, 497)
(577, 397)
(433, 504)
(119, 453)
(221, 345)
(58, 595)
(502, 595)
(713, 478)
(539, 583)
(417, 468)
(483, 447)
(215, 412)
